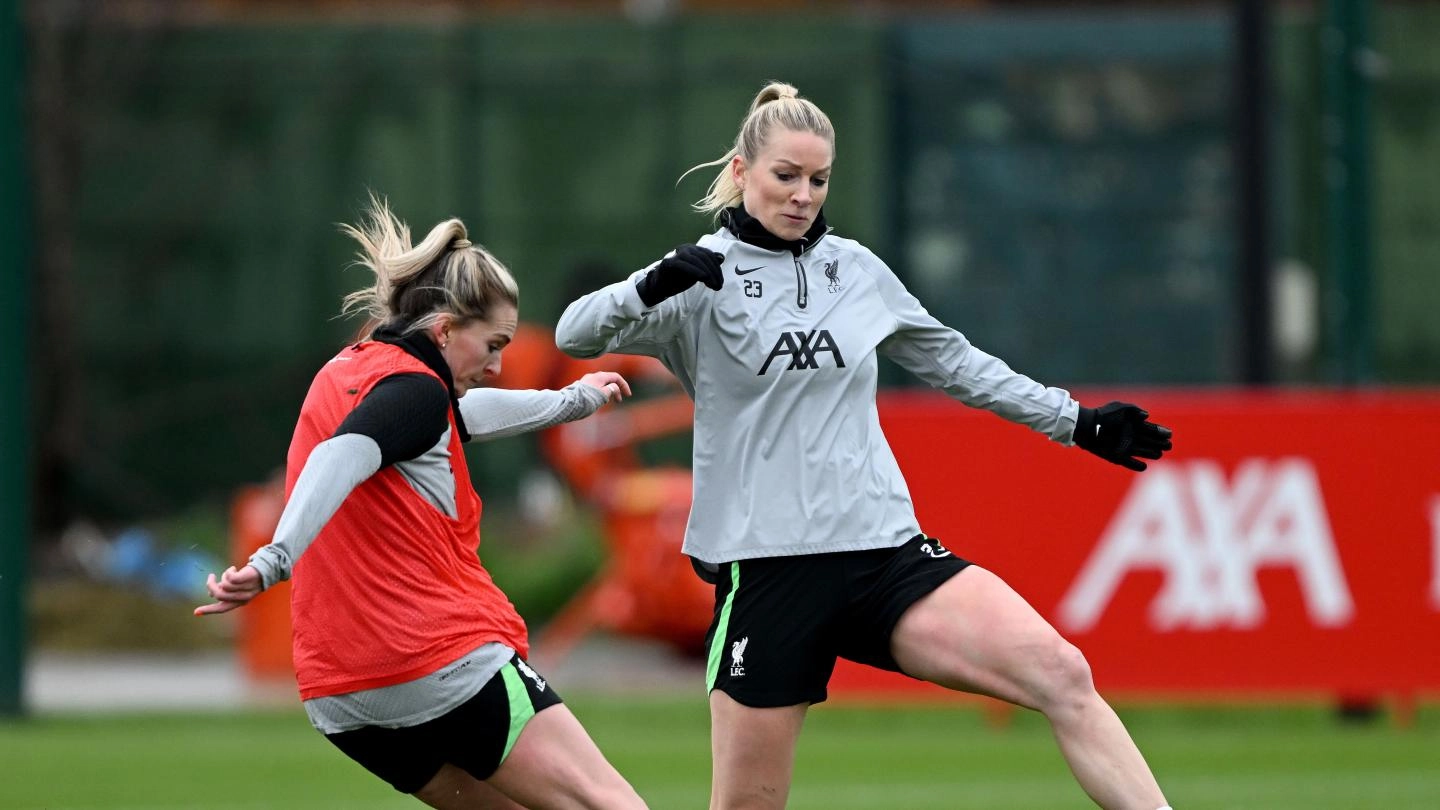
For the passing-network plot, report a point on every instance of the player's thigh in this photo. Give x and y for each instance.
(975, 633)
(454, 789)
(753, 751)
(555, 764)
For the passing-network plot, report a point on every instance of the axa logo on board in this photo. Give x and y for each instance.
(1209, 535)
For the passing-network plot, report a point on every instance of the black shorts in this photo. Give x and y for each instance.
(475, 736)
(780, 622)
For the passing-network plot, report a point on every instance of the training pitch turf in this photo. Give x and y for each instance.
(850, 757)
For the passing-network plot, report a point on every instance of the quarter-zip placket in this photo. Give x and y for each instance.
(802, 293)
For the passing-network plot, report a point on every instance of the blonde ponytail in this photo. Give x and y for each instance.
(414, 286)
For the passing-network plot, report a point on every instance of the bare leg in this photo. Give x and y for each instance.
(753, 753)
(553, 766)
(975, 634)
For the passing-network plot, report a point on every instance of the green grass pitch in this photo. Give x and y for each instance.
(913, 757)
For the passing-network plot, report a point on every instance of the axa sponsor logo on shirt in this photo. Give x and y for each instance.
(801, 350)
(1209, 534)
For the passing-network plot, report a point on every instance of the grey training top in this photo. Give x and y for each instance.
(781, 362)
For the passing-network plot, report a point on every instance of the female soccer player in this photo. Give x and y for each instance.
(800, 511)
(408, 657)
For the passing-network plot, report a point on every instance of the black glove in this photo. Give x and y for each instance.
(1121, 434)
(679, 271)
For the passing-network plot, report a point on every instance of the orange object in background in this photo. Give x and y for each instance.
(588, 452)
(265, 622)
(646, 587)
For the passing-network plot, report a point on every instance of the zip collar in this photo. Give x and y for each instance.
(749, 230)
(422, 348)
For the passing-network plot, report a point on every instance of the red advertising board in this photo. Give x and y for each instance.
(1289, 544)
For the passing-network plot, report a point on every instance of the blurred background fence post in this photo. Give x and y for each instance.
(14, 392)
(1349, 67)
(1251, 131)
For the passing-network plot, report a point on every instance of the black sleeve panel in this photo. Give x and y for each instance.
(405, 414)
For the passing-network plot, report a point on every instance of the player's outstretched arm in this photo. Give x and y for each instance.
(493, 413)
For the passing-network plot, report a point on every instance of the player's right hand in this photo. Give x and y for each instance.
(1122, 434)
(234, 588)
(610, 383)
(679, 271)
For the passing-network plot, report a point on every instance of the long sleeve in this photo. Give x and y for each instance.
(614, 319)
(402, 417)
(493, 413)
(335, 467)
(945, 359)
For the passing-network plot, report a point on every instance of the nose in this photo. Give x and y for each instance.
(492, 368)
(801, 197)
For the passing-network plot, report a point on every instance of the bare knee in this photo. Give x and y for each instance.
(1061, 678)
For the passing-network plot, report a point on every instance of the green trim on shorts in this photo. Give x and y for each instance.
(521, 707)
(717, 644)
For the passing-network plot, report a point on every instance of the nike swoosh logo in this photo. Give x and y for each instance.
(740, 272)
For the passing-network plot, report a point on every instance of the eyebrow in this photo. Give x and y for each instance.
(789, 162)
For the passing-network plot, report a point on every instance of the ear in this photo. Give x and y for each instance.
(737, 171)
(440, 330)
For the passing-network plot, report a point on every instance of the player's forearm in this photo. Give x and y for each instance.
(614, 319)
(492, 413)
(989, 383)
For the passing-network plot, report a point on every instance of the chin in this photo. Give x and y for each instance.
(790, 232)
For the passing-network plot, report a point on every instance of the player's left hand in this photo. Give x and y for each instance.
(1122, 434)
(234, 588)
